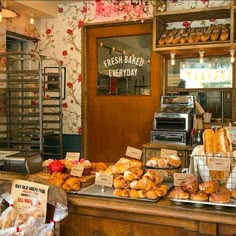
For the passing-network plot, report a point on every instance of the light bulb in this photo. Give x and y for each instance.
(172, 62)
(201, 53)
(31, 18)
(0, 16)
(172, 56)
(232, 55)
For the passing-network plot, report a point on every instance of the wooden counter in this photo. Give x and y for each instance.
(90, 216)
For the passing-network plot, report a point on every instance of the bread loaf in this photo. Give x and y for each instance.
(208, 136)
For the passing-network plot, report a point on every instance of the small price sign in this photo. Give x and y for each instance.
(178, 178)
(104, 179)
(219, 163)
(77, 170)
(134, 153)
(73, 155)
(165, 153)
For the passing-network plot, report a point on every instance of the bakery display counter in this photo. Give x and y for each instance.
(89, 215)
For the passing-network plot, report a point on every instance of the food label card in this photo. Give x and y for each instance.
(134, 153)
(77, 170)
(178, 178)
(165, 153)
(219, 163)
(73, 155)
(27, 192)
(104, 179)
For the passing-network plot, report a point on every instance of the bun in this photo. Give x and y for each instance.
(141, 193)
(209, 187)
(99, 166)
(129, 176)
(178, 193)
(125, 192)
(219, 197)
(199, 196)
(190, 184)
(120, 182)
(152, 163)
(174, 161)
(161, 190)
(162, 163)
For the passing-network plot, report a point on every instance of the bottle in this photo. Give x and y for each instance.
(198, 139)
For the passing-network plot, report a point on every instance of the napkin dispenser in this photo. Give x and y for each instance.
(23, 162)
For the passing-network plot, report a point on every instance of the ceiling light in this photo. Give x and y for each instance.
(31, 18)
(201, 54)
(172, 57)
(232, 55)
(5, 12)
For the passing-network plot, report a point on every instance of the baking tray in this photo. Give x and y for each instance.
(99, 191)
(198, 204)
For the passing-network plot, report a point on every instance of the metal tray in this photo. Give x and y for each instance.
(218, 206)
(99, 191)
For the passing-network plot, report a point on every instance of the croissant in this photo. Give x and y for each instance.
(72, 183)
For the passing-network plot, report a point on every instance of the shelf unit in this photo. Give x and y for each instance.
(30, 111)
(161, 20)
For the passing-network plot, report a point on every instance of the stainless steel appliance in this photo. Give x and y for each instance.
(174, 121)
(23, 162)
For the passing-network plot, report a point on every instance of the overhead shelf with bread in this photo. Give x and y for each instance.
(194, 29)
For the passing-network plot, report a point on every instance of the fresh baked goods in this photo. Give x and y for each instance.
(71, 184)
(209, 187)
(154, 176)
(222, 142)
(125, 164)
(174, 161)
(216, 33)
(208, 136)
(120, 182)
(199, 196)
(117, 192)
(224, 32)
(161, 190)
(233, 195)
(151, 194)
(190, 184)
(169, 38)
(179, 193)
(99, 166)
(219, 197)
(133, 193)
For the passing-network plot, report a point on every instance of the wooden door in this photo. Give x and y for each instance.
(111, 123)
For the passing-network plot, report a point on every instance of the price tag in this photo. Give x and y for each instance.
(73, 155)
(219, 163)
(178, 178)
(77, 170)
(167, 152)
(104, 179)
(134, 153)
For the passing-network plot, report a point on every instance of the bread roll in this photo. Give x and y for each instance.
(199, 196)
(189, 184)
(219, 198)
(178, 193)
(174, 161)
(209, 187)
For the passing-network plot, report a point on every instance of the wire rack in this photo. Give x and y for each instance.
(222, 169)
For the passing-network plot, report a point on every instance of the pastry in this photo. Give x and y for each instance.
(161, 41)
(152, 163)
(178, 193)
(162, 163)
(184, 36)
(71, 184)
(219, 197)
(192, 36)
(190, 184)
(206, 34)
(120, 182)
(129, 176)
(125, 192)
(174, 161)
(99, 166)
(233, 195)
(169, 38)
(133, 193)
(161, 190)
(151, 194)
(137, 172)
(141, 193)
(199, 196)
(209, 187)
(117, 192)
(134, 184)
(199, 33)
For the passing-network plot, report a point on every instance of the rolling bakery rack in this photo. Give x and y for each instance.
(31, 104)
